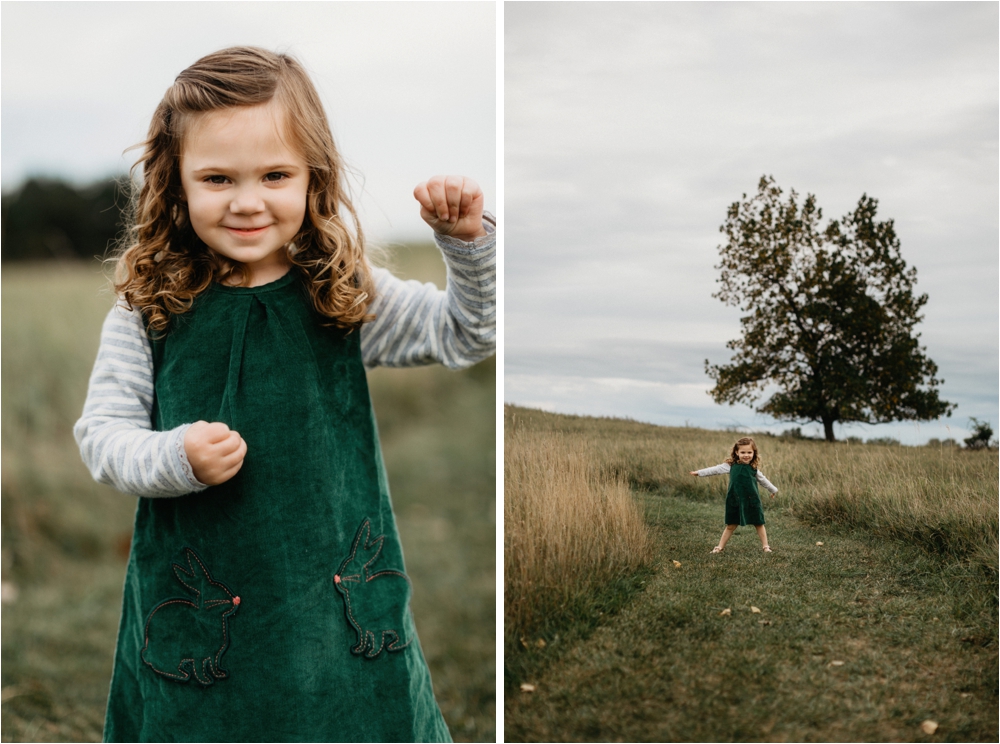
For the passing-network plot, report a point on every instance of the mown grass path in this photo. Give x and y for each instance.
(907, 628)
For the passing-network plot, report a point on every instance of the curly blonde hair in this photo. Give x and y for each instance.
(734, 458)
(163, 265)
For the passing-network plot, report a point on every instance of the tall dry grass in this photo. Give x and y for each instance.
(570, 529)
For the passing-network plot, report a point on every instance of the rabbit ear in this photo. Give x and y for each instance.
(361, 539)
(193, 560)
(372, 546)
(366, 530)
(365, 550)
(372, 549)
(187, 576)
(197, 579)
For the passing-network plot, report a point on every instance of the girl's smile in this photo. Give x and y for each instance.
(245, 187)
(745, 453)
(247, 233)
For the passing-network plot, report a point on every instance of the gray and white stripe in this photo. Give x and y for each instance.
(418, 324)
(724, 468)
(415, 324)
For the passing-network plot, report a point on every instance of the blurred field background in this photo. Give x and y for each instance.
(65, 538)
(884, 555)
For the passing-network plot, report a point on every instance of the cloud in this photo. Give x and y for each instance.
(631, 128)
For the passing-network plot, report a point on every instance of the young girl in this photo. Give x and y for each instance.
(742, 499)
(265, 597)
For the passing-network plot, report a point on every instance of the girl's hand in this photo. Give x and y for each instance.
(694, 473)
(215, 452)
(452, 206)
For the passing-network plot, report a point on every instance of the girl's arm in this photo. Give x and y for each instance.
(766, 483)
(419, 324)
(717, 470)
(115, 433)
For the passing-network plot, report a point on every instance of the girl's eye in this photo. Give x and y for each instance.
(274, 176)
(217, 180)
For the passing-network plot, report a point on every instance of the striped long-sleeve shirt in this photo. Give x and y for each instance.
(415, 324)
(725, 468)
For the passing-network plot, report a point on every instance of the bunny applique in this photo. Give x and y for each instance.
(187, 637)
(375, 602)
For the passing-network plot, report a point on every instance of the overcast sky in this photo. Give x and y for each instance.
(409, 88)
(629, 129)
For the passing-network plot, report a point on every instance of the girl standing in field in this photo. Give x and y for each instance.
(265, 597)
(742, 499)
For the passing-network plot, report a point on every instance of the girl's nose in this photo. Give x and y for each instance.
(246, 201)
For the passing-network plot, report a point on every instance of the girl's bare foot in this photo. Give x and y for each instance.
(767, 549)
(716, 549)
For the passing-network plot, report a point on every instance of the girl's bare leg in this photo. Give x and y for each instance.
(726, 534)
(762, 533)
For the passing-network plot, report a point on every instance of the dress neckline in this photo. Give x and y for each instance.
(278, 283)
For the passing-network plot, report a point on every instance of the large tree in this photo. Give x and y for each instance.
(830, 313)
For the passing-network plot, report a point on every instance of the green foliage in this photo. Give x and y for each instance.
(941, 443)
(830, 315)
(884, 441)
(51, 219)
(982, 435)
(794, 433)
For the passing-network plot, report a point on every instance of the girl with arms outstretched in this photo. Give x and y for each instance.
(743, 504)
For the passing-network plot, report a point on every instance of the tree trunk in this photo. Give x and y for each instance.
(828, 428)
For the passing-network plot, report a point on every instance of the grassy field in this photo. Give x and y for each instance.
(65, 537)
(876, 612)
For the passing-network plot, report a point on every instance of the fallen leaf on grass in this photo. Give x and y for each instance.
(819, 543)
(755, 610)
(727, 611)
(929, 726)
(677, 564)
(764, 622)
(836, 663)
(540, 643)
(525, 687)
(524, 642)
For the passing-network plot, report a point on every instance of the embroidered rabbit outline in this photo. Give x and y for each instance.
(375, 602)
(187, 637)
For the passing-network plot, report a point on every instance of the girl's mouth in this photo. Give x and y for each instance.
(247, 232)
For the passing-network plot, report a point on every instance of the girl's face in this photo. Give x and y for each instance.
(745, 453)
(245, 187)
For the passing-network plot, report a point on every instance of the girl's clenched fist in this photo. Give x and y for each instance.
(215, 451)
(452, 206)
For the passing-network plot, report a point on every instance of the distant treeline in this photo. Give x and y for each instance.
(52, 219)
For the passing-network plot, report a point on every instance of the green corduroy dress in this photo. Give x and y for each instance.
(743, 499)
(273, 607)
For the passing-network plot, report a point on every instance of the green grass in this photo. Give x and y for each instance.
(64, 536)
(915, 625)
(671, 668)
